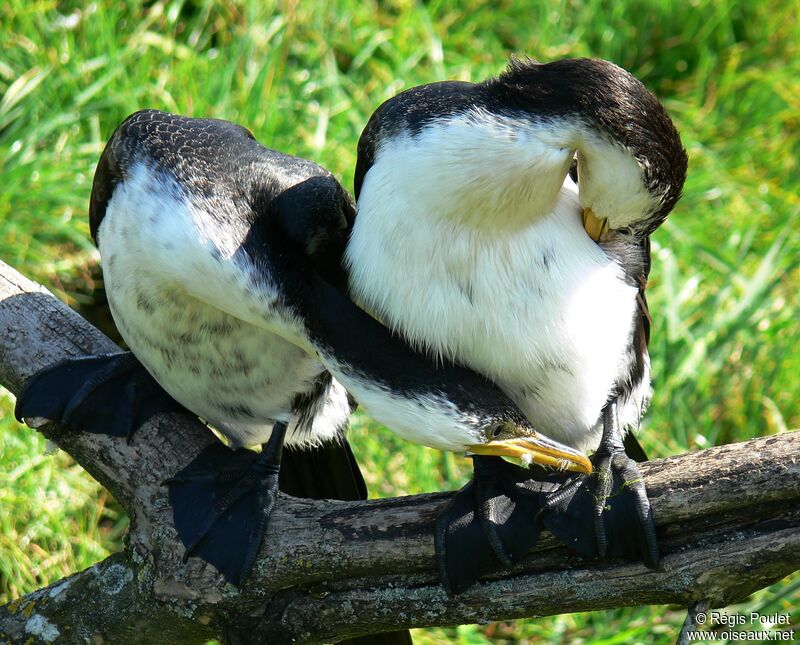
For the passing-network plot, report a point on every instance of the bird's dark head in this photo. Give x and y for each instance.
(631, 162)
(516, 437)
(314, 214)
(313, 219)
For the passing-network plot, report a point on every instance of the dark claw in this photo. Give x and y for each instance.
(489, 524)
(598, 520)
(222, 502)
(607, 513)
(108, 394)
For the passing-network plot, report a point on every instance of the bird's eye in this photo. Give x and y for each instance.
(496, 431)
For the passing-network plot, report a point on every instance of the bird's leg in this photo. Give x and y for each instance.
(105, 394)
(497, 517)
(222, 502)
(489, 524)
(606, 513)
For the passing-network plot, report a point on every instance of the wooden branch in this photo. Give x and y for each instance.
(728, 519)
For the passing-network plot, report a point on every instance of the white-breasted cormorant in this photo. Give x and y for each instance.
(505, 225)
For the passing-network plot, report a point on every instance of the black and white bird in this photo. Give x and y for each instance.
(505, 225)
(222, 262)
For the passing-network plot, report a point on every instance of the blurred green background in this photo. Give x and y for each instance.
(304, 77)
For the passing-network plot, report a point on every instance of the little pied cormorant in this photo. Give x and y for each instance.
(505, 225)
(222, 261)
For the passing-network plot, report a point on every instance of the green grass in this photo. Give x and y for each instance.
(305, 77)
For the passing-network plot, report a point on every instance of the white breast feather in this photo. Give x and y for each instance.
(500, 277)
(209, 334)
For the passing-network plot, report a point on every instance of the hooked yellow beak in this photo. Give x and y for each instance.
(595, 227)
(537, 450)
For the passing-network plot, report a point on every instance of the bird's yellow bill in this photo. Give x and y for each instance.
(595, 227)
(537, 450)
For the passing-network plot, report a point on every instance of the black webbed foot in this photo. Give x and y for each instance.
(607, 513)
(107, 394)
(222, 502)
(497, 517)
(491, 522)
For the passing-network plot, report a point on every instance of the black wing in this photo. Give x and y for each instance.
(638, 271)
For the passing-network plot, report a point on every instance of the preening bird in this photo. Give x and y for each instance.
(222, 262)
(505, 225)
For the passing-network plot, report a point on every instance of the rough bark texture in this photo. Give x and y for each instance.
(728, 522)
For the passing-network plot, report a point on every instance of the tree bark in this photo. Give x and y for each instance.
(728, 521)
